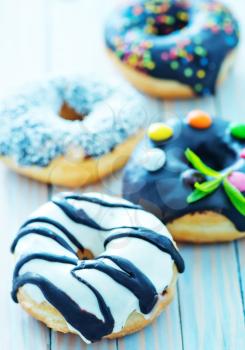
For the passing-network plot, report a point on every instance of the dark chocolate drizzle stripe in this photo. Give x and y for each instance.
(84, 322)
(56, 224)
(130, 277)
(161, 242)
(42, 256)
(77, 215)
(101, 202)
(42, 231)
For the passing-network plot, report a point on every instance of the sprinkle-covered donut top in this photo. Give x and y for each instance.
(174, 40)
(199, 167)
(132, 262)
(33, 133)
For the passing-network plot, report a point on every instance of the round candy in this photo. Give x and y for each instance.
(199, 119)
(191, 176)
(153, 159)
(159, 132)
(237, 179)
(242, 154)
(237, 130)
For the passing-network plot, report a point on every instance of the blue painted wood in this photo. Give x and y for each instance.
(208, 311)
(211, 308)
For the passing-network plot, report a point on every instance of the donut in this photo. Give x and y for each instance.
(70, 131)
(172, 48)
(94, 265)
(191, 174)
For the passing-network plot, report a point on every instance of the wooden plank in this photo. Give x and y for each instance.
(80, 48)
(22, 41)
(210, 299)
(231, 105)
(19, 197)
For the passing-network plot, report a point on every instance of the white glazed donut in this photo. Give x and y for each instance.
(128, 280)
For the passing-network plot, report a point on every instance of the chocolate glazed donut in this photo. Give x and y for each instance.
(172, 48)
(165, 191)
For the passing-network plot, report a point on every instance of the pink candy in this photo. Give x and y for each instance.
(242, 155)
(237, 179)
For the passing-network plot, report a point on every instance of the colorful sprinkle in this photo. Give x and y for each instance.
(237, 179)
(199, 50)
(159, 132)
(198, 87)
(237, 130)
(174, 65)
(199, 119)
(201, 73)
(188, 72)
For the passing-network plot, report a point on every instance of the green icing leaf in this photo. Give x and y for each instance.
(199, 165)
(205, 188)
(196, 195)
(208, 186)
(235, 196)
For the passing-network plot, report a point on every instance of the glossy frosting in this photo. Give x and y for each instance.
(134, 256)
(171, 39)
(33, 133)
(164, 192)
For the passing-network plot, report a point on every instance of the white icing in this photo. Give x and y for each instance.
(154, 263)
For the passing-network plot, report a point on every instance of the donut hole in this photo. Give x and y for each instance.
(85, 254)
(164, 20)
(68, 113)
(218, 156)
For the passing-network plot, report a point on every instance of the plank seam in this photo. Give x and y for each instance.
(180, 317)
(50, 339)
(238, 265)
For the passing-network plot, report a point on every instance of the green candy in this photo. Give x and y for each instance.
(237, 130)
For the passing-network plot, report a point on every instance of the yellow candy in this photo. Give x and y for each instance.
(159, 132)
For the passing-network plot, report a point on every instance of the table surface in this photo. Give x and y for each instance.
(66, 36)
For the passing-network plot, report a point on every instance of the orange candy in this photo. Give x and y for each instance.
(199, 119)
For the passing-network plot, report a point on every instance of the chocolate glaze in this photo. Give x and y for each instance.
(129, 276)
(84, 322)
(77, 215)
(99, 201)
(164, 192)
(42, 231)
(161, 242)
(174, 40)
(42, 256)
(56, 224)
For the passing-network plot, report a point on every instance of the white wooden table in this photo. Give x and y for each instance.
(38, 37)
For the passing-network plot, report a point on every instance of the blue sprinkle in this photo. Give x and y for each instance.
(230, 40)
(204, 61)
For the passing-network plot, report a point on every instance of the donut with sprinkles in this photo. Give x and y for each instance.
(171, 48)
(70, 131)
